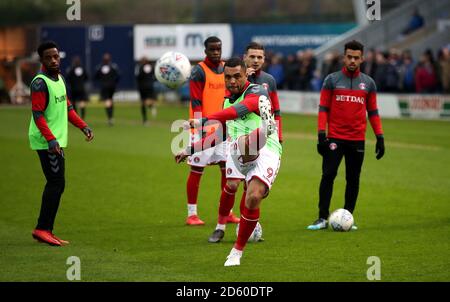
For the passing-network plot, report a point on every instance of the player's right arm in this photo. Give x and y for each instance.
(247, 105)
(196, 86)
(39, 102)
(326, 93)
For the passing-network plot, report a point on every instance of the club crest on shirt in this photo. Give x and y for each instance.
(266, 86)
(362, 86)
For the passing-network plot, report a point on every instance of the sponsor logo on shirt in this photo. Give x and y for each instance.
(218, 86)
(350, 98)
(59, 99)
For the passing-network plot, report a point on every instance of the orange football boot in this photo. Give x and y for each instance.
(194, 220)
(45, 237)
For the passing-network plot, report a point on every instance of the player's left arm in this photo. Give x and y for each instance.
(75, 120)
(375, 120)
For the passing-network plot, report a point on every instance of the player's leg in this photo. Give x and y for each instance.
(143, 105)
(106, 97)
(149, 104)
(354, 157)
(330, 164)
(152, 103)
(222, 156)
(256, 191)
(53, 167)
(226, 204)
(197, 162)
(79, 99)
(259, 180)
(192, 188)
(109, 111)
(231, 178)
(268, 124)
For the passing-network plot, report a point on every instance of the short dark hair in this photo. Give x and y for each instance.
(46, 45)
(254, 45)
(212, 39)
(235, 61)
(354, 45)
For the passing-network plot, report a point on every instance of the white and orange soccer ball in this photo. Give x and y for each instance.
(173, 69)
(341, 220)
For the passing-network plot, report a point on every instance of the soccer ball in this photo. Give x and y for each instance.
(341, 220)
(173, 69)
(256, 235)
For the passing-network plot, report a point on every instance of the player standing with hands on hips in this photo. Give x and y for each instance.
(48, 136)
(345, 98)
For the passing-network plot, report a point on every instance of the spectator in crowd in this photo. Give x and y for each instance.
(316, 82)
(386, 76)
(291, 68)
(276, 70)
(332, 63)
(307, 67)
(369, 66)
(415, 23)
(444, 63)
(425, 76)
(407, 83)
(393, 71)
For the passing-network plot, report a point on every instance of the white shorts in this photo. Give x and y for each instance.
(265, 167)
(209, 156)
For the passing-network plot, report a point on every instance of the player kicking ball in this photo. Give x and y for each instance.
(254, 148)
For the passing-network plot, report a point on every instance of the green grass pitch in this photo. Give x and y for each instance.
(124, 207)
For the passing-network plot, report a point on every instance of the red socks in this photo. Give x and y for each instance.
(226, 204)
(249, 219)
(193, 184)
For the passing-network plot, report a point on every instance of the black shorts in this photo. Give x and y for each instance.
(107, 93)
(146, 93)
(78, 96)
